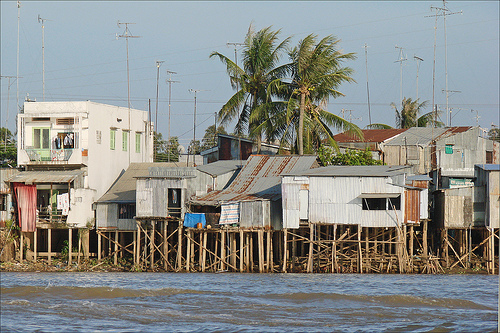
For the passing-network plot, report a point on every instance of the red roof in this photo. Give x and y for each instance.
(370, 135)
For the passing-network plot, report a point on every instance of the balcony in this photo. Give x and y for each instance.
(49, 155)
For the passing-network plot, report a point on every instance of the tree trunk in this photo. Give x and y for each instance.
(300, 134)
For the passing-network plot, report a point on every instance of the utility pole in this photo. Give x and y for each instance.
(158, 64)
(8, 99)
(367, 89)
(448, 110)
(235, 45)
(17, 72)
(477, 116)
(194, 125)
(42, 21)
(169, 81)
(401, 59)
(127, 35)
(418, 59)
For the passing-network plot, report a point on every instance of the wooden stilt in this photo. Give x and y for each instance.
(268, 252)
(115, 252)
(165, 245)
(411, 247)
(424, 239)
(247, 251)
(99, 246)
(50, 245)
(251, 261)
(135, 246)
(242, 254)
(204, 251)
(311, 249)
(139, 243)
(21, 246)
(232, 248)
(360, 253)
(285, 247)
(35, 244)
(335, 267)
(260, 242)
(179, 247)
(79, 249)
(188, 250)
(70, 246)
(223, 250)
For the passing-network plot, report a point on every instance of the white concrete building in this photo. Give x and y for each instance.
(97, 139)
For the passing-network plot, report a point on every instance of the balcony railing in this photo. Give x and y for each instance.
(47, 155)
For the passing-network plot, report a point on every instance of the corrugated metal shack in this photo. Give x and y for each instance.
(254, 198)
(488, 180)
(5, 194)
(369, 196)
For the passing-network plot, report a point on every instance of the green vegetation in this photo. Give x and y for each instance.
(164, 151)
(8, 149)
(328, 156)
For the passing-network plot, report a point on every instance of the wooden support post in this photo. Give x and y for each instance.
(446, 248)
(49, 244)
(188, 250)
(248, 250)
(139, 243)
(251, 261)
(411, 247)
(311, 249)
(232, 248)
(268, 252)
(179, 247)
(70, 246)
(152, 245)
(79, 249)
(35, 244)
(165, 244)
(294, 251)
(360, 253)
(21, 246)
(242, 252)
(135, 246)
(335, 267)
(223, 250)
(99, 246)
(260, 236)
(115, 255)
(424, 239)
(285, 248)
(204, 251)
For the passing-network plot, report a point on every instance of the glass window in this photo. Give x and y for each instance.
(124, 141)
(374, 204)
(112, 139)
(395, 203)
(41, 138)
(137, 142)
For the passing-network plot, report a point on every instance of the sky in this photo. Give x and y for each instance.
(84, 59)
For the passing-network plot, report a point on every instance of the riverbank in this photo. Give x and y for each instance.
(92, 265)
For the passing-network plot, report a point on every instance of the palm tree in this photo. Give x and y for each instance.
(408, 116)
(316, 73)
(261, 54)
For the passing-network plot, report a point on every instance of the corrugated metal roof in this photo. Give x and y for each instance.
(489, 167)
(39, 177)
(123, 190)
(260, 179)
(419, 177)
(354, 171)
(221, 167)
(424, 135)
(370, 135)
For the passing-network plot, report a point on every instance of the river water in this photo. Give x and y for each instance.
(227, 302)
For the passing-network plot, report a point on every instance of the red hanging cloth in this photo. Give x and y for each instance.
(26, 206)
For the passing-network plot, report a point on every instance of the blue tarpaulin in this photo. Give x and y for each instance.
(192, 219)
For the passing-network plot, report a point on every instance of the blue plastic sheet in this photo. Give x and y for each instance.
(192, 219)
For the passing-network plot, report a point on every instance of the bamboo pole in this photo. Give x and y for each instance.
(223, 250)
(268, 251)
(204, 251)
(242, 254)
(179, 247)
(311, 249)
(165, 244)
(35, 244)
(360, 253)
(70, 246)
(188, 249)
(285, 247)
(260, 239)
(21, 246)
(50, 245)
(115, 256)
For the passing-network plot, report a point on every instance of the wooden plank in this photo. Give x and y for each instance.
(70, 246)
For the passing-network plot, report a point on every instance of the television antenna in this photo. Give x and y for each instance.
(419, 60)
(195, 91)
(400, 60)
(169, 81)
(367, 89)
(42, 21)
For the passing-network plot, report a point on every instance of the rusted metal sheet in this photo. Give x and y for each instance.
(412, 206)
(370, 135)
(259, 179)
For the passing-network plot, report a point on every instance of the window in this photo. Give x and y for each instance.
(112, 139)
(448, 149)
(64, 140)
(41, 138)
(124, 141)
(137, 142)
(374, 203)
(126, 211)
(65, 121)
(381, 203)
(489, 157)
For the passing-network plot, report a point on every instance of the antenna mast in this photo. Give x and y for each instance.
(127, 35)
(158, 64)
(42, 21)
(367, 89)
(17, 72)
(169, 81)
(418, 59)
(194, 126)
(401, 59)
(8, 100)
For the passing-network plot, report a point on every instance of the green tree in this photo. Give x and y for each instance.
(166, 150)
(317, 72)
(261, 55)
(209, 139)
(328, 156)
(494, 134)
(194, 147)
(8, 148)
(409, 116)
